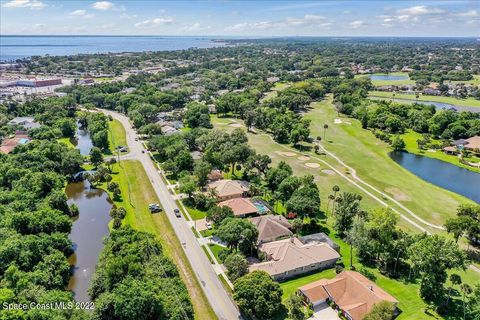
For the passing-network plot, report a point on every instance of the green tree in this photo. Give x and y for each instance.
(187, 185)
(432, 257)
(258, 295)
(295, 307)
(217, 214)
(238, 233)
(237, 266)
(96, 157)
(201, 171)
(348, 205)
(383, 310)
(398, 144)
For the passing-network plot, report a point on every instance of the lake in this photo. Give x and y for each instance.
(88, 230)
(82, 140)
(441, 173)
(16, 47)
(438, 105)
(387, 77)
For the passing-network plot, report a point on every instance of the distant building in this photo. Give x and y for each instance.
(290, 257)
(25, 122)
(35, 83)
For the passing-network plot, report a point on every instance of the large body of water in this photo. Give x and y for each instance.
(441, 173)
(16, 47)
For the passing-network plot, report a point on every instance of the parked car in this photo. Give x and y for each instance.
(177, 213)
(154, 207)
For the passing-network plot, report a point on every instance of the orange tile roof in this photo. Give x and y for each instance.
(271, 227)
(351, 291)
(240, 206)
(472, 143)
(229, 188)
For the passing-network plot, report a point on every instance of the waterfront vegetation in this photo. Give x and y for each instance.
(410, 137)
(467, 102)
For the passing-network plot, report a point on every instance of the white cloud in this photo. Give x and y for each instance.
(307, 19)
(78, 13)
(471, 13)
(420, 10)
(103, 5)
(32, 4)
(195, 27)
(357, 24)
(153, 22)
(262, 25)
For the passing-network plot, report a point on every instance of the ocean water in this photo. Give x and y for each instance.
(16, 47)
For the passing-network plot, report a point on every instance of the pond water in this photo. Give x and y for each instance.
(441, 173)
(388, 77)
(88, 231)
(438, 105)
(82, 140)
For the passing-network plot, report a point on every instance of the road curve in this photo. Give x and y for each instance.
(221, 303)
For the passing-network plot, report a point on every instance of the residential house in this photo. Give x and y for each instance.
(473, 144)
(8, 144)
(25, 122)
(241, 207)
(272, 227)
(229, 189)
(215, 175)
(290, 257)
(352, 292)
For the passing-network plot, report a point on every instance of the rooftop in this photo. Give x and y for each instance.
(271, 227)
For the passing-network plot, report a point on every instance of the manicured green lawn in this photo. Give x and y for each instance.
(410, 137)
(378, 83)
(137, 193)
(116, 134)
(67, 142)
(195, 213)
(468, 102)
(216, 249)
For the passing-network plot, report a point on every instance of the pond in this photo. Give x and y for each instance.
(82, 140)
(441, 173)
(88, 231)
(438, 105)
(387, 77)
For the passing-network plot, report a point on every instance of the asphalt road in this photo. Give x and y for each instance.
(221, 303)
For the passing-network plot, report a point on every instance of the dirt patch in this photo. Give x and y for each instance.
(397, 194)
(235, 125)
(303, 158)
(328, 171)
(286, 154)
(312, 165)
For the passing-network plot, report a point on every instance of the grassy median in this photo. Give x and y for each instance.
(137, 193)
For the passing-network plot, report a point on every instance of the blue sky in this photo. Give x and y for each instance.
(242, 18)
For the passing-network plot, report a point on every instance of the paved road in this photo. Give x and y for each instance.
(223, 307)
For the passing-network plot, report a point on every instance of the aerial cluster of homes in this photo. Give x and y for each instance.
(471, 144)
(290, 256)
(23, 124)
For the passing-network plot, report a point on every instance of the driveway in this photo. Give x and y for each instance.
(324, 312)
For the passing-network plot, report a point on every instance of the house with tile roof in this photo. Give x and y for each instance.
(272, 227)
(241, 207)
(229, 189)
(351, 291)
(290, 257)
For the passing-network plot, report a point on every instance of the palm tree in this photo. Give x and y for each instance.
(330, 198)
(335, 190)
(466, 290)
(325, 127)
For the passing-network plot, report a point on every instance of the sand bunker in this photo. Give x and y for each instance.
(287, 154)
(303, 158)
(235, 125)
(337, 121)
(328, 171)
(312, 165)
